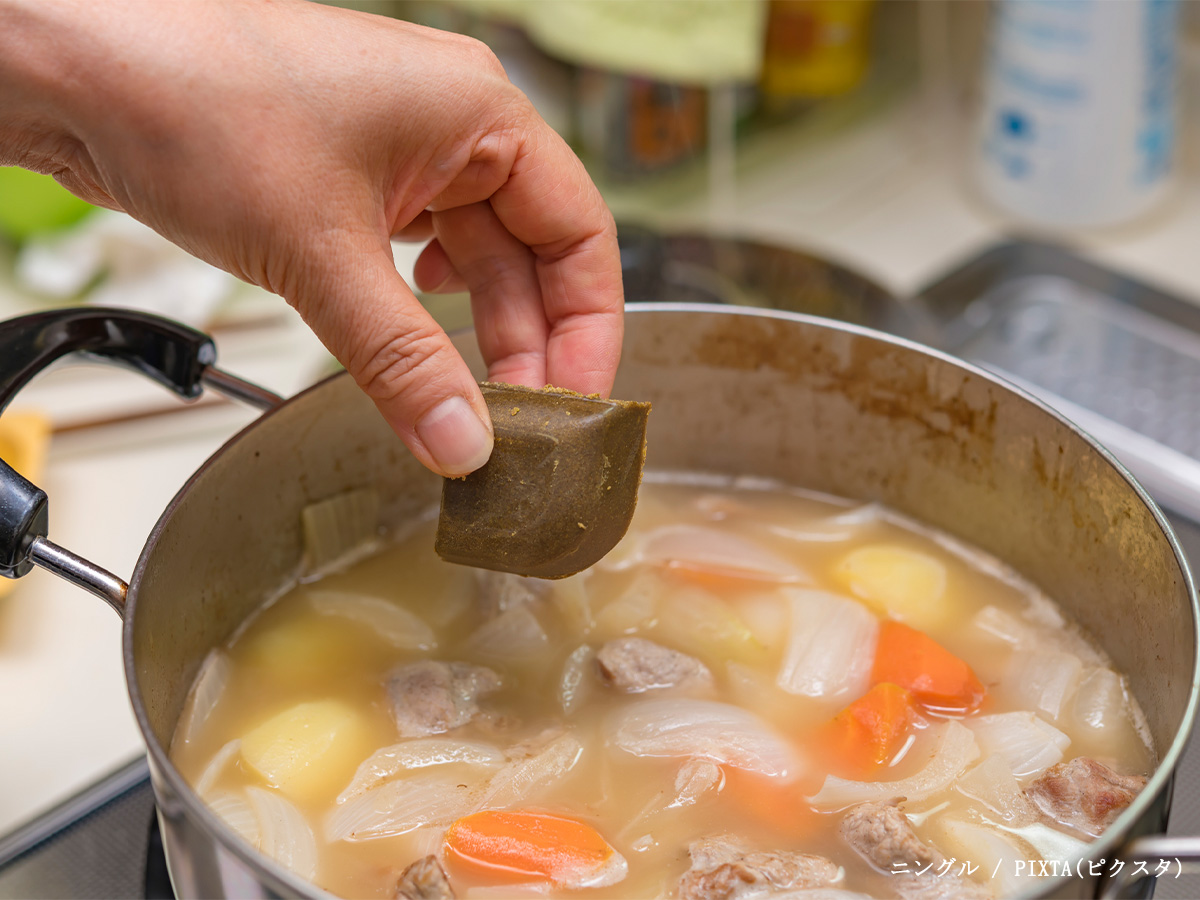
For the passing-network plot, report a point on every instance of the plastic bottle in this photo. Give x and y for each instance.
(1078, 121)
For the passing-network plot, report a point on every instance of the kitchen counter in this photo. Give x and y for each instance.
(884, 199)
(63, 703)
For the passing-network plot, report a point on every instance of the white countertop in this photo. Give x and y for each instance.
(884, 198)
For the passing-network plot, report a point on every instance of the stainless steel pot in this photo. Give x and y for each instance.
(826, 406)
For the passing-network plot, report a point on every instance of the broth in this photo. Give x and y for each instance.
(770, 604)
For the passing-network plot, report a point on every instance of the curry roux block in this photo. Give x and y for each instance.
(559, 490)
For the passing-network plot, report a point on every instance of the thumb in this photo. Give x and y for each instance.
(371, 321)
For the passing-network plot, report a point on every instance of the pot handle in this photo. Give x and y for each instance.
(1147, 857)
(177, 357)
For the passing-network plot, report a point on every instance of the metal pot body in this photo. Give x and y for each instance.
(824, 406)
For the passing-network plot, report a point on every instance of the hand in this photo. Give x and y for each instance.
(287, 142)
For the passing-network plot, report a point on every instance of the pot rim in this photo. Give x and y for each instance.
(1115, 835)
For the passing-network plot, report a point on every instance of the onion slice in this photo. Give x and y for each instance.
(574, 684)
(434, 796)
(389, 762)
(398, 626)
(841, 527)
(208, 778)
(340, 529)
(236, 812)
(522, 779)
(955, 751)
(205, 694)
(713, 552)
(284, 834)
(1002, 625)
(1026, 743)
(705, 729)
(1049, 842)
(1043, 680)
(830, 647)
(570, 595)
(991, 850)
(1100, 705)
(993, 784)
(780, 517)
(694, 780)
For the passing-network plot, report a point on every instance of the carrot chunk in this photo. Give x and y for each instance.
(939, 680)
(870, 731)
(499, 845)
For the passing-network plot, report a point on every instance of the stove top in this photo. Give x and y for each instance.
(102, 843)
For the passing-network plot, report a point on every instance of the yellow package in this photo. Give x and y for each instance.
(24, 440)
(816, 48)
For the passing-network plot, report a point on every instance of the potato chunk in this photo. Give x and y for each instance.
(308, 751)
(703, 624)
(902, 583)
(305, 651)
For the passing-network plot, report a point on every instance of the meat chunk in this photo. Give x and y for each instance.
(432, 697)
(634, 664)
(424, 880)
(501, 591)
(724, 869)
(1084, 794)
(880, 834)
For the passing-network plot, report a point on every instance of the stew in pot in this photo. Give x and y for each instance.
(760, 691)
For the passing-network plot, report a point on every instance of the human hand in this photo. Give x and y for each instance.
(288, 142)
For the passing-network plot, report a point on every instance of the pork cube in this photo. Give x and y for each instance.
(881, 834)
(725, 869)
(1084, 794)
(634, 665)
(432, 697)
(424, 880)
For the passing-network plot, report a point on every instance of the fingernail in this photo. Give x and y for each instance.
(455, 437)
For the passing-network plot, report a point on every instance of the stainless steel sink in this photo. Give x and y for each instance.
(1118, 357)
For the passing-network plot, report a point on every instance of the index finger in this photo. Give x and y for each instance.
(551, 205)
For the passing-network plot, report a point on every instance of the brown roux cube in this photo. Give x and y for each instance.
(559, 490)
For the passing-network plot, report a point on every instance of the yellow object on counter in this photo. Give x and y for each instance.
(24, 440)
(816, 48)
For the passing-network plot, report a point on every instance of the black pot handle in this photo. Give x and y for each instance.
(177, 357)
(172, 354)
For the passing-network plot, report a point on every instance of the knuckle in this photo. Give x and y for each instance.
(389, 371)
(483, 58)
(474, 55)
